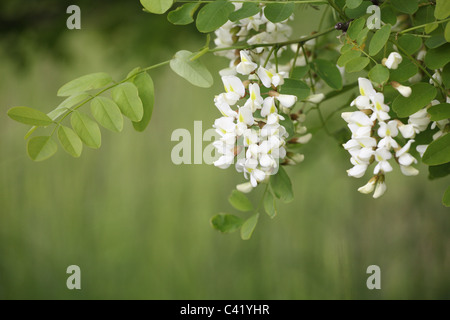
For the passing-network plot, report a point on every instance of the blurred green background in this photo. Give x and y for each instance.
(138, 225)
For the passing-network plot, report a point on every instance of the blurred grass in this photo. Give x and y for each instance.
(138, 226)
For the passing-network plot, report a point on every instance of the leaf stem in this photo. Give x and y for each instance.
(422, 26)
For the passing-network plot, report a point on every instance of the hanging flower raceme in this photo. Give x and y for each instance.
(375, 138)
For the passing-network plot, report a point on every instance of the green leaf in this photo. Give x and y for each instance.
(379, 74)
(226, 223)
(439, 57)
(107, 113)
(406, 6)
(329, 73)
(447, 32)
(422, 94)
(362, 36)
(431, 27)
(405, 70)
(85, 83)
(359, 11)
(379, 39)
(249, 226)
(41, 148)
(353, 4)
(70, 141)
(64, 106)
(288, 124)
(411, 44)
(348, 56)
(277, 12)
(248, 9)
(87, 129)
(435, 41)
(282, 186)
(357, 64)
(355, 28)
(440, 112)
(446, 198)
(438, 152)
(157, 6)
(193, 71)
(446, 76)
(388, 15)
(295, 87)
(126, 96)
(240, 201)
(299, 72)
(183, 15)
(144, 84)
(29, 116)
(442, 9)
(214, 15)
(269, 205)
(439, 171)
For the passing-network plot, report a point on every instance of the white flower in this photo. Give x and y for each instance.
(393, 60)
(286, 100)
(404, 158)
(234, 87)
(382, 156)
(404, 90)
(437, 79)
(270, 77)
(380, 110)
(316, 98)
(221, 103)
(421, 149)
(366, 87)
(256, 175)
(245, 187)
(250, 137)
(380, 189)
(387, 132)
(369, 187)
(246, 66)
(268, 107)
(407, 131)
(419, 120)
(358, 170)
(255, 101)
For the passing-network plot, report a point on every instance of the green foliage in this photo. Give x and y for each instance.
(379, 74)
(353, 4)
(85, 83)
(249, 226)
(440, 112)
(29, 116)
(69, 102)
(347, 57)
(355, 28)
(183, 15)
(328, 71)
(70, 141)
(226, 223)
(282, 186)
(41, 148)
(213, 15)
(438, 152)
(192, 70)
(405, 70)
(277, 12)
(422, 95)
(240, 201)
(446, 198)
(126, 96)
(442, 9)
(406, 6)
(438, 57)
(296, 87)
(157, 6)
(107, 113)
(411, 44)
(87, 129)
(269, 204)
(380, 39)
(357, 64)
(146, 91)
(247, 10)
(440, 171)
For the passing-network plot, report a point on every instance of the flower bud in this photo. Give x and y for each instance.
(245, 187)
(369, 187)
(393, 60)
(380, 188)
(404, 91)
(316, 98)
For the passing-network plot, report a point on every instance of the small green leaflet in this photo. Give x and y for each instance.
(282, 186)
(127, 98)
(355, 28)
(353, 4)
(29, 116)
(295, 87)
(157, 6)
(249, 226)
(411, 44)
(380, 39)
(438, 57)
(248, 9)
(107, 113)
(446, 198)
(213, 15)
(357, 64)
(438, 152)
(277, 12)
(269, 205)
(87, 129)
(85, 83)
(69, 102)
(70, 141)
(226, 223)
(240, 201)
(41, 148)
(379, 74)
(440, 112)
(406, 6)
(193, 71)
(183, 15)
(347, 57)
(146, 90)
(422, 95)
(329, 73)
(442, 10)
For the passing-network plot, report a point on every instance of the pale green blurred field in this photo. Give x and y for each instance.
(138, 225)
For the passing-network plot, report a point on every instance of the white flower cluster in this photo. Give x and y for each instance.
(373, 138)
(252, 133)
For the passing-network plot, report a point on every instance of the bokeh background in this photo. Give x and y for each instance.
(138, 225)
